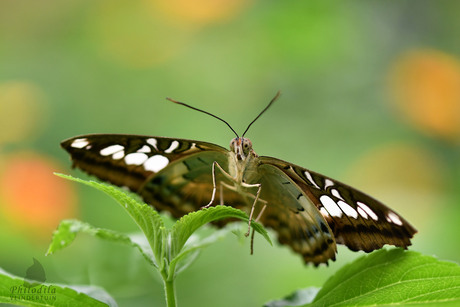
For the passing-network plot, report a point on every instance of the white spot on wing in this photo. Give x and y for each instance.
(118, 155)
(79, 143)
(368, 211)
(336, 193)
(310, 178)
(362, 213)
(328, 183)
(330, 205)
(112, 149)
(394, 218)
(324, 212)
(144, 149)
(136, 158)
(349, 211)
(153, 142)
(156, 163)
(172, 147)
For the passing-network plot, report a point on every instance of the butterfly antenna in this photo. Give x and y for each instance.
(266, 108)
(196, 109)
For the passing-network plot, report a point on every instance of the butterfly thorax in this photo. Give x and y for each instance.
(243, 160)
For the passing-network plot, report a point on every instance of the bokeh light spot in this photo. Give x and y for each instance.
(406, 178)
(32, 197)
(22, 111)
(425, 86)
(199, 11)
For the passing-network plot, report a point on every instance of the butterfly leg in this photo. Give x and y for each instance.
(261, 212)
(257, 220)
(214, 185)
(259, 188)
(221, 194)
(256, 200)
(243, 184)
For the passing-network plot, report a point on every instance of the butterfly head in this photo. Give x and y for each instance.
(241, 147)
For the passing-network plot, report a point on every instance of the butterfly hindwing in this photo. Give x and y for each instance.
(186, 185)
(356, 219)
(297, 221)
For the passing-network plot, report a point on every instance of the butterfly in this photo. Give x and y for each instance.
(310, 212)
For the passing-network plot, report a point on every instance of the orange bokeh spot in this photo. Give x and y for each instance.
(146, 33)
(199, 11)
(408, 178)
(32, 196)
(426, 89)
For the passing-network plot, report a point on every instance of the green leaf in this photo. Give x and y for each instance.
(392, 277)
(15, 290)
(189, 223)
(68, 230)
(298, 298)
(194, 245)
(167, 245)
(148, 220)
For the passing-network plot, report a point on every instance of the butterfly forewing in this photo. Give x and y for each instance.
(356, 219)
(130, 160)
(173, 175)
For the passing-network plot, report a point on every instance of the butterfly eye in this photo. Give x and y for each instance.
(247, 144)
(232, 144)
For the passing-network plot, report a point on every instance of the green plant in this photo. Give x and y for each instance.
(166, 249)
(393, 277)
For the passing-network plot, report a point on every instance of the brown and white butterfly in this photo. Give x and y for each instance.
(310, 212)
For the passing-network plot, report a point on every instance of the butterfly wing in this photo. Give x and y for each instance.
(357, 220)
(170, 174)
(310, 212)
(297, 222)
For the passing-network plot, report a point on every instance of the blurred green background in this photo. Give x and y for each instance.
(370, 96)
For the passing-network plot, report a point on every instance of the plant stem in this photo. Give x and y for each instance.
(170, 290)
